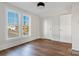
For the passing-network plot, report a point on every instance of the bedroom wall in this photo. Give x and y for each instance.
(52, 28)
(35, 27)
(75, 26)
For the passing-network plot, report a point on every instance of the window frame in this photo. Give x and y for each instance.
(20, 15)
(29, 34)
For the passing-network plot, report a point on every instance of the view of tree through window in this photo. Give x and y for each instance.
(13, 22)
(25, 25)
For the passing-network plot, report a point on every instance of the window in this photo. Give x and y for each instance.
(13, 24)
(18, 26)
(25, 24)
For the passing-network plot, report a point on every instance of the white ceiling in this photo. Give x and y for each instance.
(51, 8)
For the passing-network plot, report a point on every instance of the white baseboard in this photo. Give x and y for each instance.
(75, 52)
(15, 43)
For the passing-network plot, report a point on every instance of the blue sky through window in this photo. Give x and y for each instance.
(26, 19)
(12, 17)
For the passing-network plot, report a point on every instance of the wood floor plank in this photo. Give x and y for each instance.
(39, 47)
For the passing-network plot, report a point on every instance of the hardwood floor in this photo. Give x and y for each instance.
(39, 47)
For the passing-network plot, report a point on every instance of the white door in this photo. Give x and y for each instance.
(65, 28)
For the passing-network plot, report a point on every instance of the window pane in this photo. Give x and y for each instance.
(13, 21)
(25, 25)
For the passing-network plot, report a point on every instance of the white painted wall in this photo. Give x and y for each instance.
(75, 26)
(51, 29)
(35, 27)
(65, 28)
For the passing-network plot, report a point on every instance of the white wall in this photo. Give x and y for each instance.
(52, 28)
(35, 27)
(75, 26)
(65, 28)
